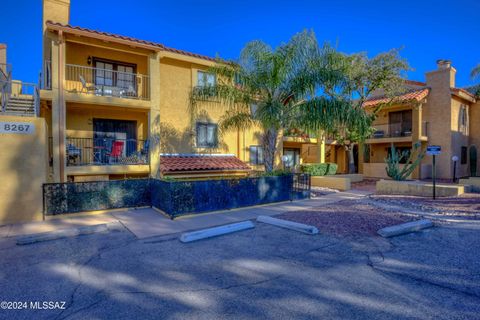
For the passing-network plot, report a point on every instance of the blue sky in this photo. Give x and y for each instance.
(427, 30)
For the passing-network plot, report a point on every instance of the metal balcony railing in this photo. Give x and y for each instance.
(106, 82)
(106, 151)
(401, 129)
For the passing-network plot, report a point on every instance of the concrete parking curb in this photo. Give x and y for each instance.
(66, 233)
(405, 228)
(300, 227)
(216, 231)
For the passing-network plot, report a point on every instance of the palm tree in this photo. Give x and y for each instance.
(475, 72)
(281, 88)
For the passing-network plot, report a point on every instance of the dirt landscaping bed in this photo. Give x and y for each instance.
(348, 218)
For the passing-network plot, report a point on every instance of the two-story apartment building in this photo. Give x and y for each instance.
(434, 112)
(114, 105)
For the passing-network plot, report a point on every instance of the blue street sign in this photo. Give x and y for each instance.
(434, 150)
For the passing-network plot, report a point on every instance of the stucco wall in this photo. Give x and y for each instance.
(23, 167)
(77, 54)
(474, 118)
(177, 78)
(80, 117)
(438, 113)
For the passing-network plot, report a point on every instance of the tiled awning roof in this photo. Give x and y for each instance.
(414, 95)
(141, 43)
(178, 163)
(460, 92)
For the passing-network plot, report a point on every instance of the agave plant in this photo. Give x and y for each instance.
(411, 159)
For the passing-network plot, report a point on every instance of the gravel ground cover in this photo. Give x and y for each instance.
(320, 191)
(348, 217)
(466, 205)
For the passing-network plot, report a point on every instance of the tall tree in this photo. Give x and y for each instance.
(281, 88)
(384, 75)
(475, 71)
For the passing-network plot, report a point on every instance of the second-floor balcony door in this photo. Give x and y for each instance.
(400, 123)
(115, 79)
(103, 75)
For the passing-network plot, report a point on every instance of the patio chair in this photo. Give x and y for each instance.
(73, 154)
(131, 91)
(117, 151)
(86, 87)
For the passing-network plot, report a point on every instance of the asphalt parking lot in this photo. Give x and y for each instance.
(266, 272)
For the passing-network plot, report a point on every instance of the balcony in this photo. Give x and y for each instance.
(106, 82)
(401, 131)
(106, 152)
(100, 82)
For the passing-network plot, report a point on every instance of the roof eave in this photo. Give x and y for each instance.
(89, 34)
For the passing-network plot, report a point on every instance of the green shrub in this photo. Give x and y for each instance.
(275, 173)
(319, 169)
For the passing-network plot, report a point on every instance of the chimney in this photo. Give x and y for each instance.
(443, 77)
(3, 53)
(56, 11)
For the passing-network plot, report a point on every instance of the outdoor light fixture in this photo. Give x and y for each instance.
(89, 60)
(284, 160)
(454, 159)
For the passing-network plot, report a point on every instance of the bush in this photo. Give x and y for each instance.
(319, 169)
(275, 173)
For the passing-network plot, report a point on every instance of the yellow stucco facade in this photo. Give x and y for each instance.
(156, 98)
(447, 117)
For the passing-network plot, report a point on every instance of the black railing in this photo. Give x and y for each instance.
(301, 186)
(106, 151)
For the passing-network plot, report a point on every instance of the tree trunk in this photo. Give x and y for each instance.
(351, 160)
(269, 148)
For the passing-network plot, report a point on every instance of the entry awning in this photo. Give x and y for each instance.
(191, 163)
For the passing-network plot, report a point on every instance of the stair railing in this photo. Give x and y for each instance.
(5, 84)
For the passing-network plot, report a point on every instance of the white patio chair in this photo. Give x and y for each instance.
(86, 87)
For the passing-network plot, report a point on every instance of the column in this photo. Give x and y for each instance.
(154, 115)
(58, 109)
(320, 147)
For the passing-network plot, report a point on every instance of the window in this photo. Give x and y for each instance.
(105, 74)
(403, 153)
(400, 123)
(207, 135)
(205, 79)
(463, 156)
(256, 155)
(463, 121)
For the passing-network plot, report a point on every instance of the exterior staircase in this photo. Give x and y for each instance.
(16, 97)
(23, 105)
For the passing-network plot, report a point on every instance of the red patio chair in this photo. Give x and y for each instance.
(117, 151)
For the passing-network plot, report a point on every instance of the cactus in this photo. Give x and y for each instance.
(394, 158)
(473, 161)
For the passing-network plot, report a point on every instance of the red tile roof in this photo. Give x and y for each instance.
(414, 95)
(142, 43)
(188, 163)
(460, 90)
(415, 83)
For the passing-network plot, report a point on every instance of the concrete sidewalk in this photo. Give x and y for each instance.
(147, 222)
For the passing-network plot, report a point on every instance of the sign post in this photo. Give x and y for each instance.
(434, 151)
